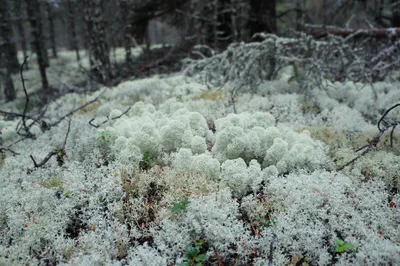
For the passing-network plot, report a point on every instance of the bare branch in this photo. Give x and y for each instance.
(26, 128)
(324, 31)
(58, 152)
(374, 142)
(118, 117)
(73, 111)
(105, 121)
(8, 149)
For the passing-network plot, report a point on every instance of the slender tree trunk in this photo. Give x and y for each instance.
(19, 23)
(9, 90)
(71, 22)
(126, 23)
(35, 21)
(225, 27)
(299, 16)
(43, 42)
(395, 15)
(215, 24)
(7, 44)
(50, 17)
(6, 77)
(378, 10)
(264, 16)
(8, 51)
(99, 52)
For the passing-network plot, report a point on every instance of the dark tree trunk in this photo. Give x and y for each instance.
(138, 28)
(395, 15)
(7, 44)
(263, 17)
(378, 13)
(299, 16)
(363, 4)
(225, 24)
(126, 23)
(19, 23)
(6, 77)
(71, 22)
(143, 13)
(219, 30)
(8, 51)
(9, 90)
(35, 21)
(99, 52)
(50, 17)
(43, 42)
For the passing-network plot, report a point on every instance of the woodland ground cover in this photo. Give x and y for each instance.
(169, 171)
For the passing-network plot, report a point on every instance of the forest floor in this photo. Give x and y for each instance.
(161, 169)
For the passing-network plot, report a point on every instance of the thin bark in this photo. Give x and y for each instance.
(99, 51)
(7, 44)
(37, 42)
(9, 90)
(395, 15)
(50, 17)
(71, 22)
(7, 51)
(19, 23)
(43, 42)
(126, 15)
(264, 16)
(215, 24)
(299, 15)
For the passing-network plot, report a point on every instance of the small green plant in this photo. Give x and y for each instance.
(103, 134)
(193, 255)
(180, 206)
(264, 223)
(342, 246)
(147, 161)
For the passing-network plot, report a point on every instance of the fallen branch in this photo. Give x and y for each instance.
(8, 149)
(73, 111)
(15, 114)
(323, 31)
(59, 152)
(374, 142)
(105, 121)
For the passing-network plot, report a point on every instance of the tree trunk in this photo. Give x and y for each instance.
(99, 52)
(8, 51)
(264, 16)
(71, 22)
(9, 90)
(299, 16)
(19, 23)
(395, 15)
(225, 27)
(219, 29)
(126, 15)
(6, 77)
(35, 21)
(43, 42)
(50, 17)
(7, 44)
